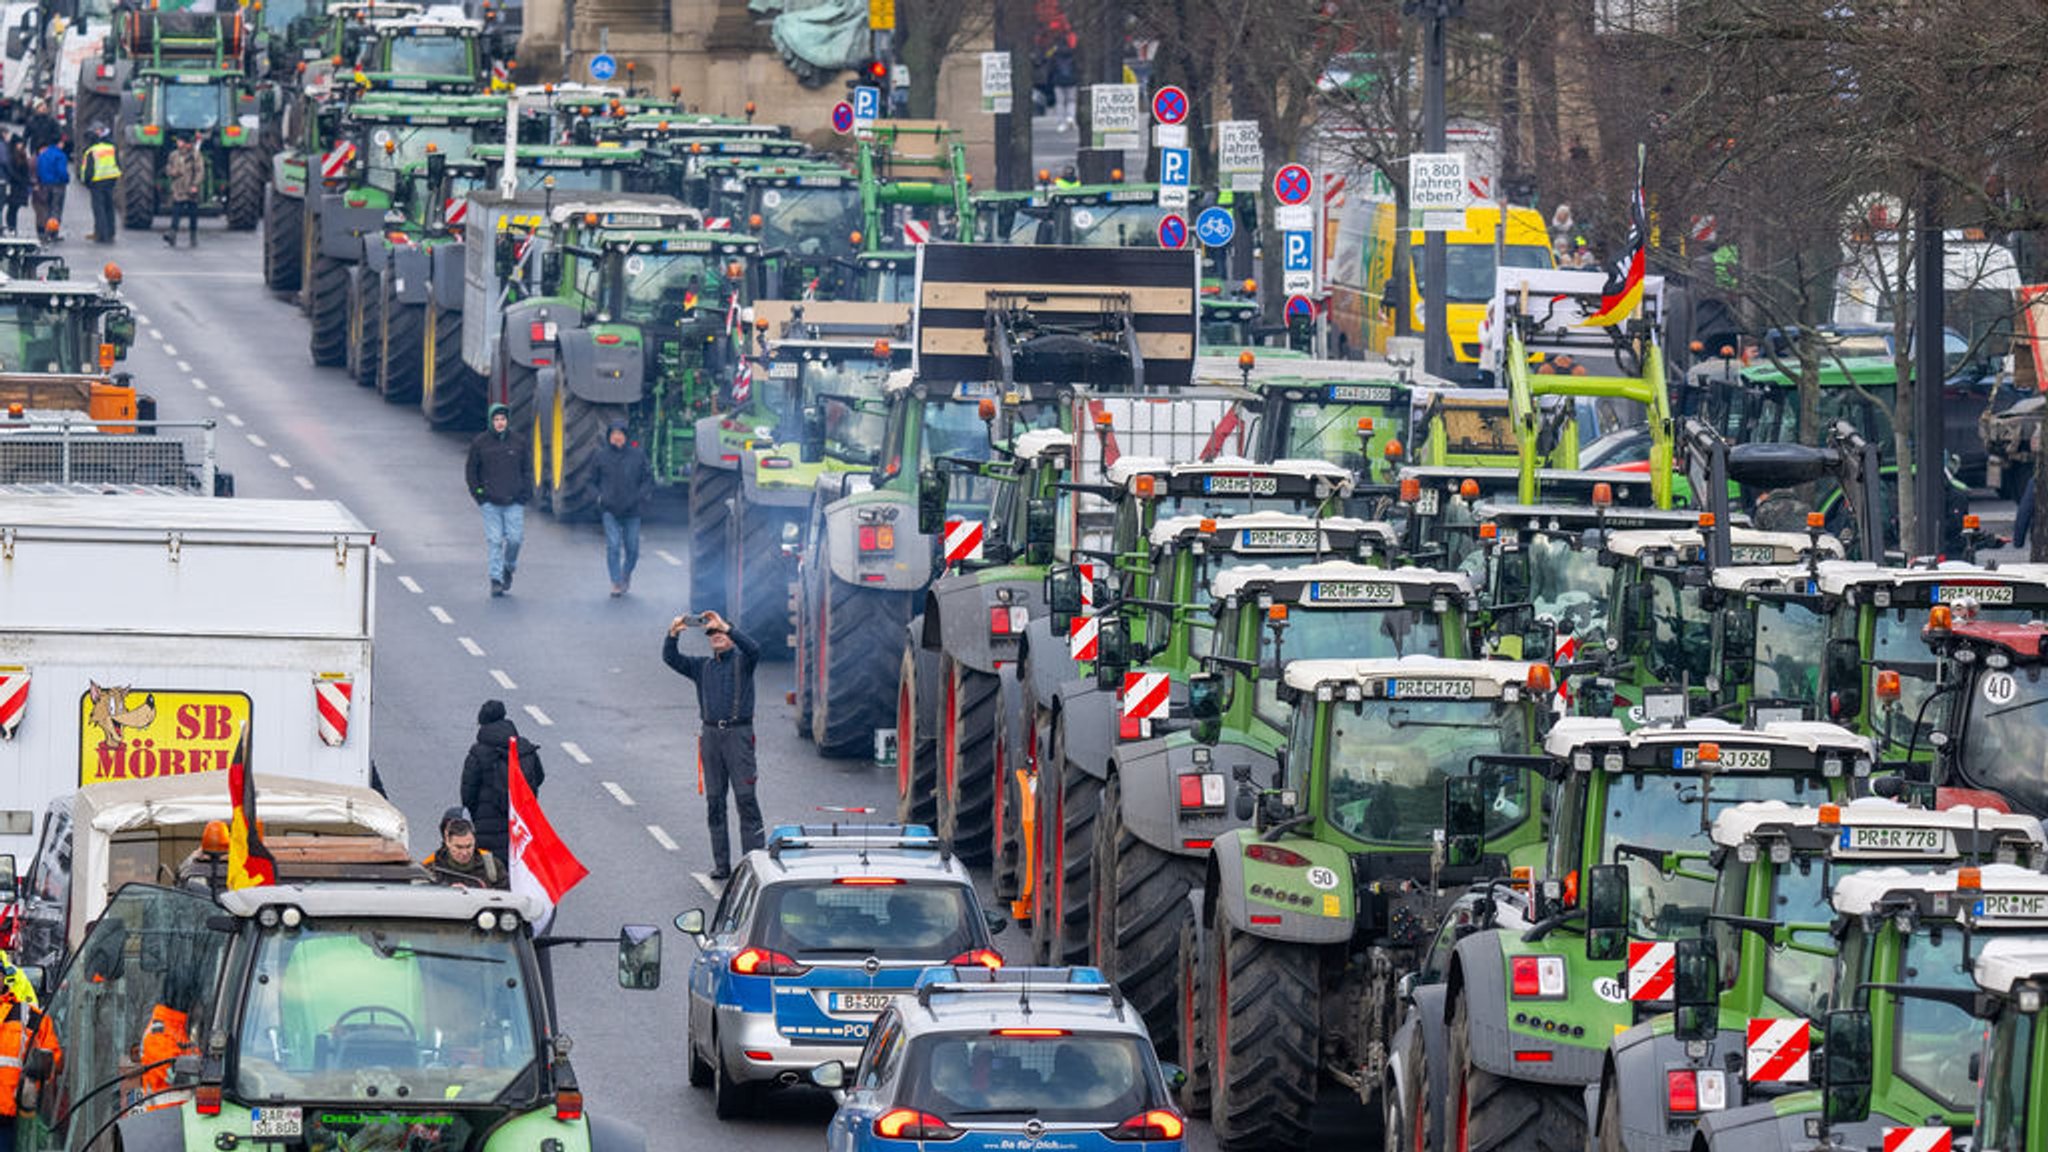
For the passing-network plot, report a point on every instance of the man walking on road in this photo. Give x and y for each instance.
(187, 170)
(725, 750)
(53, 175)
(500, 476)
(624, 484)
(486, 777)
(102, 173)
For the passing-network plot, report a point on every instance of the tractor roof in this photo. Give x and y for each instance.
(1345, 575)
(1747, 821)
(1490, 679)
(1573, 732)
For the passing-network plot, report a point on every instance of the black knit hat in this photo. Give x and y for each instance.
(492, 712)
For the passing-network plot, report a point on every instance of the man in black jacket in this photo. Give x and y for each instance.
(624, 483)
(500, 476)
(725, 750)
(485, 790)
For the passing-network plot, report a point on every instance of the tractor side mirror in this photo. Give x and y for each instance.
(1696, 987)
(1063, 596)
(1205, 707)
(640, 957)
(1845, 1067)
(120, 329)
(931, 502)
(1113, 654)
(550, 272)
(811, 443)
(1464, 820)
(1041, 528)
(17, 43)
(1607, 912)
(1844, 667)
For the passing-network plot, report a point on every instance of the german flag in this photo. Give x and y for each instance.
(1624, 291)
(249, 863)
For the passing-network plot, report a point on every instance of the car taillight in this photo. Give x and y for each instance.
(1536, 976)
(983, 957)
(1158, 1124)
(1007, 619)
(1688, 1091)
(910, 1124)
(1275, 854)
(762, 962)
(1203, 790)
(877, 538)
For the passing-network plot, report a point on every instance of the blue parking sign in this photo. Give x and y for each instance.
(1216, 227)
(1297, 252)
(867, 105)
(1173, 167)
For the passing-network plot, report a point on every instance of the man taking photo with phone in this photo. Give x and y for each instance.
(725, 749)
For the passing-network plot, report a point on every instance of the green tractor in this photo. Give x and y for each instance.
(1901, 1042)
(808, 401)
(1533, 997)
(913, 183)
(419, 54)
(809, 218)
(632, 323)
(2010, 977)
(1776, 870)
(186, 81)
(1401, 781)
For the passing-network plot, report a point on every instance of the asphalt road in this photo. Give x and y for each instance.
(579, 672)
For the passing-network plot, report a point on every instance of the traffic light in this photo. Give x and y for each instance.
(873, 73)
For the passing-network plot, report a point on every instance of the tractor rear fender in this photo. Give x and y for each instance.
(342, 227)
(1325, 919)
(444, 276)
(790, 495)
(1151, 771)
(1045, 659)
(1637, 1061)
(602, 374)
(710, 448)
(288, 175)
(1088, 717)
(908, 568)
(956, 617)
(158, 1130)
(519, 346)
(409, 269)
(1760, 1128)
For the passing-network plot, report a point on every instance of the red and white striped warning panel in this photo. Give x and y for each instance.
(1919, 1140)
(1082, 633)
(331, 700)
(501, 73)
(718, 224)
(743, 382)
(1779, 1052)
(13, 701)
(964, 539)
(1145, 695)
(337, 158)
(455, 210)
(1652, 967)
(1087, 588)
(917, 232)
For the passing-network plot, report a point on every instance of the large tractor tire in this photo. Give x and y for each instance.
(803, 609)
(712, 491)
(405, 346)
(284, 226)
(365, 328)
(1068, 798)
(522, 409)
(917, 749)
(757, 586)
(1139, 896)
(90, 108)
(1190, 992)
(327, 301)
(573, 463)
(1263, 1018)
(451, 392)
(138, 188)
(857, 629)
(1006, 824)
(1490, 1113)
(967, 771)
(246, 181)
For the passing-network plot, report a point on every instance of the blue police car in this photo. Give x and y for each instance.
(813, 937)
(1042, 1059)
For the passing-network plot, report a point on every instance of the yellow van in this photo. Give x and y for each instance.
(1468, 258)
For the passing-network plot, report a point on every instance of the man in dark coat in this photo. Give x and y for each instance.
(725, 750)
(484, 788)
(499, 472)
(623, 483)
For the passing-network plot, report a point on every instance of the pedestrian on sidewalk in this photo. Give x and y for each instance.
(53, 176)
(624, 484)
(20, 184)
(187, 171)
(725, 749)
(458, 862)
(500, 476)
(485, 785)
(102, 174)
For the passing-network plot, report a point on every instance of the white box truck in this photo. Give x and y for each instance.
(139, 635)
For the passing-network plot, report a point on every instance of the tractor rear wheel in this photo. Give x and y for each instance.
(245, 189)
(284, 226)
(327, 301)
(138, 187)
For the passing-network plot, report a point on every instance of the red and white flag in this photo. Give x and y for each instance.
(542, 866)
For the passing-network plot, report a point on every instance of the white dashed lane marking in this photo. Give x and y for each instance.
(503, 680)
(409, 584)
(539, 717)
(618, 794)
(302, 482)
(258, 441)
(216, 401)
(439, 613)
(668, 558)
(280, 461)
(234, 419)
(469, 646)
(661, 837)
(384, 557)
(575, 752)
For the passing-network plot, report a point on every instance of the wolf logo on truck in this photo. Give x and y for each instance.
(166, 733)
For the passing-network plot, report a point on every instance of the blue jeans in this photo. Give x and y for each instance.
(621, 546)
(504, 532)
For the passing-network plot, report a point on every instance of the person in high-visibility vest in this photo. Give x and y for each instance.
(102, 172)
(17, 1000)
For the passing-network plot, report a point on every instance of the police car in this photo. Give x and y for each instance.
(813, 937)
(1046, 1059)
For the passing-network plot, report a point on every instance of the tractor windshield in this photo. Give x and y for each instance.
(2009, 1080)
(1800, 976)
(2005, 734)
(1790, 636)
(390, 1010)
(1116, 225)
(411, 145)
(1388, 764)
(193, 107)
(1680, 639)
(34, 338)
(1660, 812)
(855, 429)
(594, 179)
(1348, 634)
(664, 287)
(809, 222)
(429, 56)
(1567, 584)
(1329, 432)
(279, 14)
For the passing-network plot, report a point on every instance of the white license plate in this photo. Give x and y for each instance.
(276, 1122)
(1279, 538)
(1426, 502)
(1351, 592)
(1752, 554)
(859, 1001)
(1930, 841)
(1733, 760)
(1361, 394)
(1981, 593)
(1240, 485)
(1429, 689)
